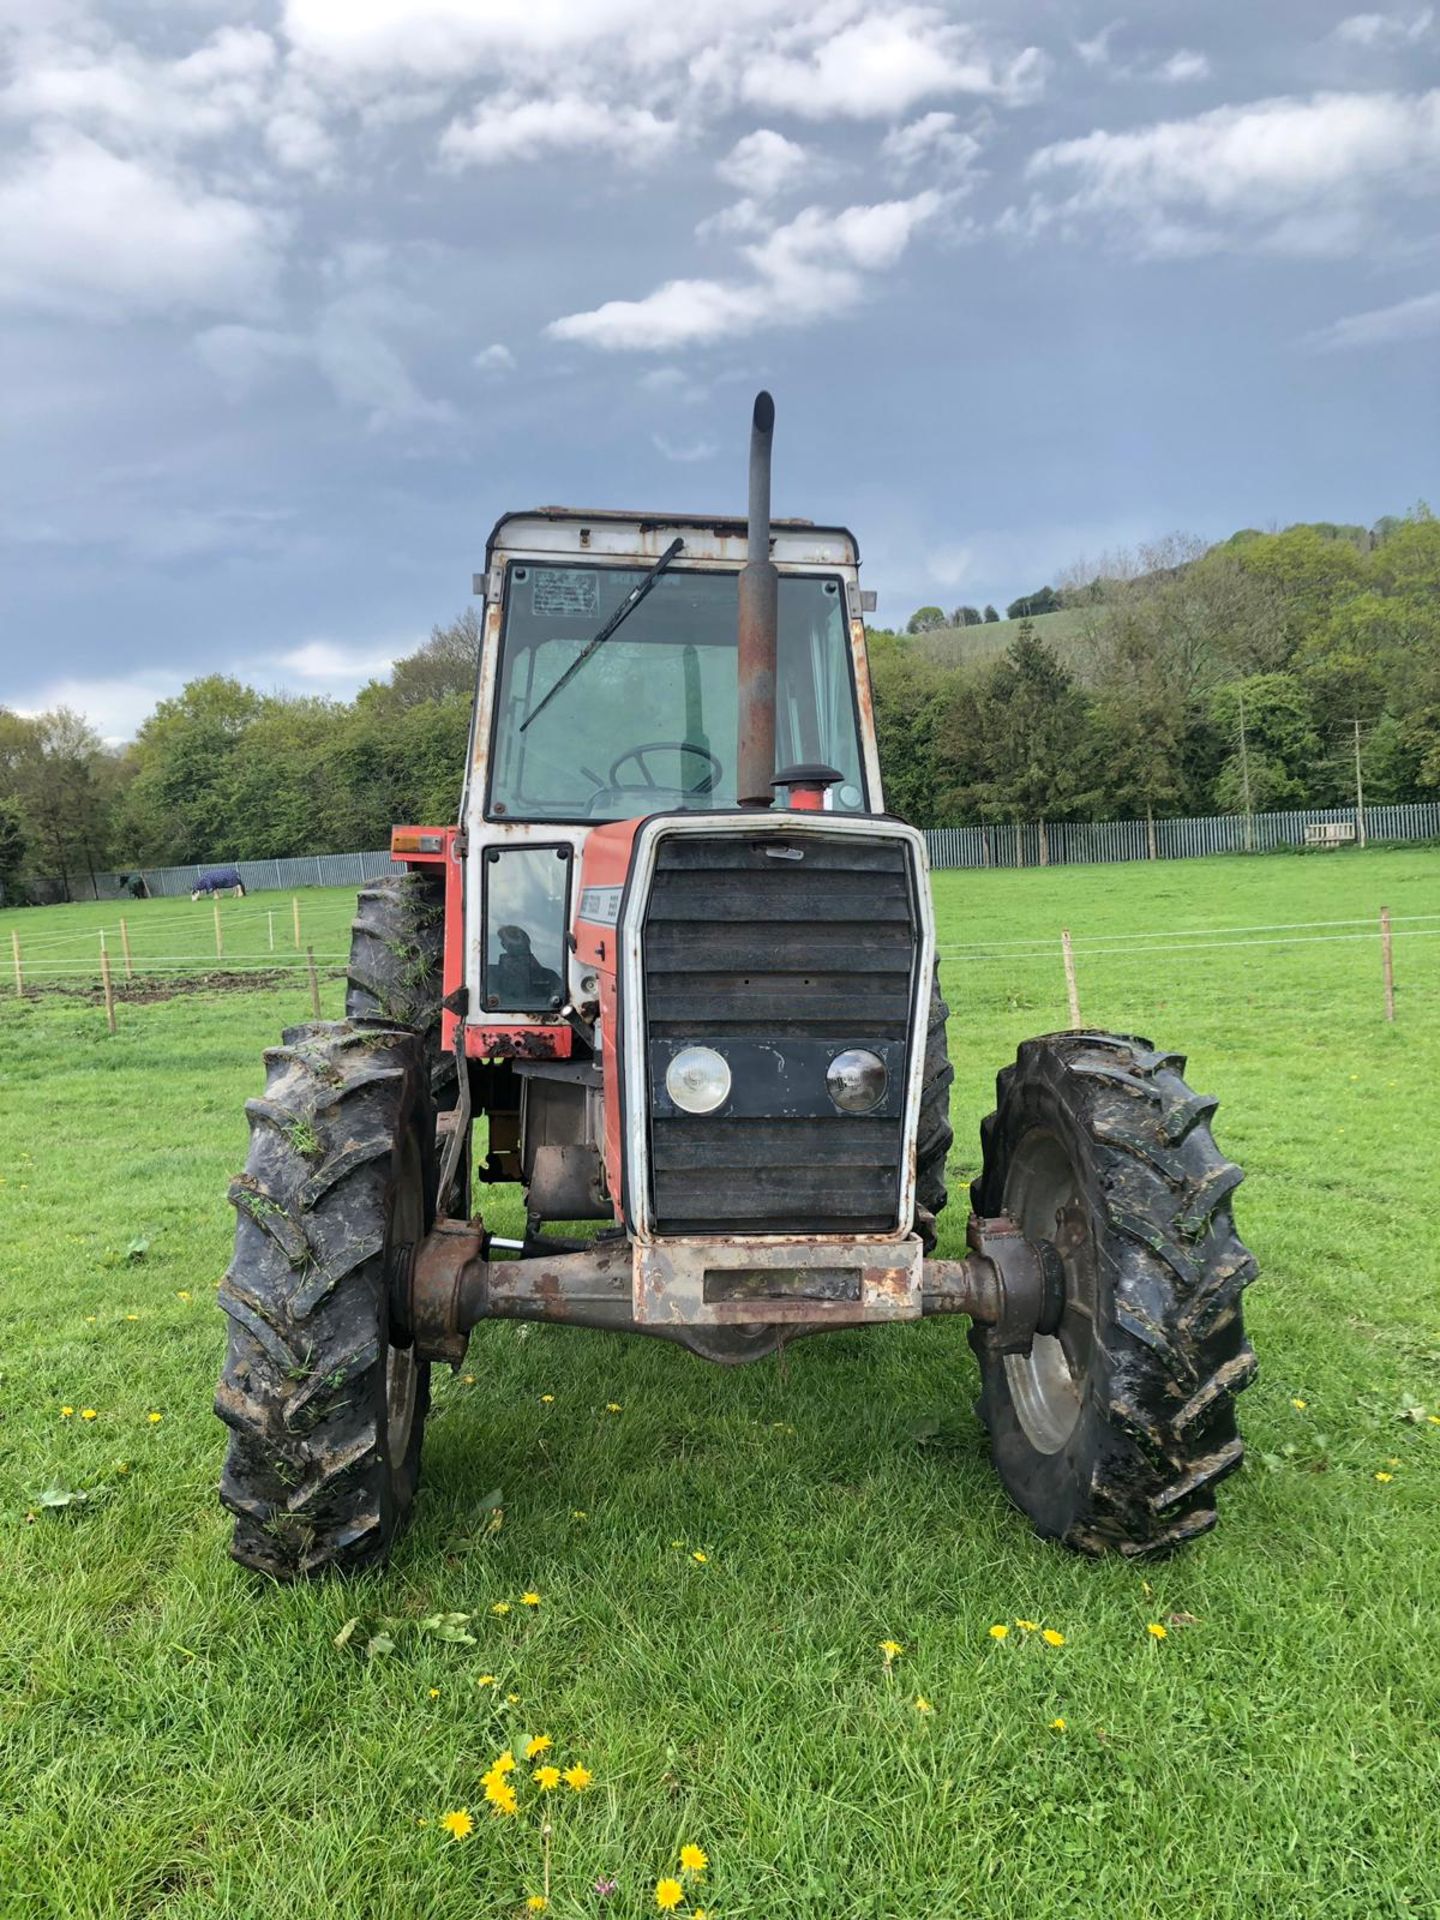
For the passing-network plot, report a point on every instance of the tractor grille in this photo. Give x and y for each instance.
(779, 962)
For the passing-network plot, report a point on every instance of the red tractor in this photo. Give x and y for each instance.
(674, 972)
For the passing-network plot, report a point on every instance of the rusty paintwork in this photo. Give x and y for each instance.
(671, 1275)
(517, 1042)
(759, 591)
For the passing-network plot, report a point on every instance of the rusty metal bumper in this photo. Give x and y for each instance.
(702, 1292)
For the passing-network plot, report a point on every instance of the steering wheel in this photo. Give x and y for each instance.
(638, 754)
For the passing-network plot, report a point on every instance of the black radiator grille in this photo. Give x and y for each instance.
(744, 946)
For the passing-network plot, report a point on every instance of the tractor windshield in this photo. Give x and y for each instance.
(650, 723)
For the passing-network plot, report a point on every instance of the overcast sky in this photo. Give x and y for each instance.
(297, 297)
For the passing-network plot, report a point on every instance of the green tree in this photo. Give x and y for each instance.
(1268, 722)
(185, 770)
(13, 850)
(1015, 743)
(990, 614)
(925, 620)
(1047, 600)
(965, 617)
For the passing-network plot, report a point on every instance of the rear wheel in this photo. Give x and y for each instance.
(1114, 1430)
(397, 941)
(326, 1414)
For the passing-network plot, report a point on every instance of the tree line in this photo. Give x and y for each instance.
(1238, 677)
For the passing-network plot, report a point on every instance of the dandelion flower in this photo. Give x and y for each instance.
(502, 1607)
(668, 1894)
(1057, 1726)
(1300, 1405)
(458, 1824)
(485, 1680)
(154, 1418)
(699, 1914)
(546, 1778)
(1052, 1638)
(613, 1406)
(65, 1412)
(922, 1705)
(699, 1558)
(677, 1543)
(1434, 1419)
(1155, 1630)
(434, 1693)
(132, 1316)
(891, 1649)
(537, 1903)
(88, 1413)
(504, 1804)
(999, 1631)
(182, 1294)
(547, 1399)
(540, 1744)
(577, 1778)
(578, 1513)
(469, 1380)
(1028, 1626)
(513, 1699)
(506, 1762)
(694, 1859)
(531, 1599)
(1384, 1478)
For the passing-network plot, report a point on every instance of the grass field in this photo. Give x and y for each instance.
(177, 1740)
(977, 646)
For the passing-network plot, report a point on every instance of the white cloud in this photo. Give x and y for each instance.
(813, 268)
(1385, 30)
(740, 221)
(495, 359)
(934, 142)
(331, 664)
(508, 127)
(1095, 52)
(85, 232)
(684, 453)
(764, 163)
(673, 384)
(1287, 175)
(1183, 66)
(883, 64)
(1415, 319)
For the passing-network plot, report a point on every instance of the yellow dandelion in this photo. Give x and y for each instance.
(182, 1294)
(668, 1894)
(485, 1680)
(699, 1914)
(1434, 1419)
(537, 1903)
(999, 1631)
(88, 1413)
(506, 1762)
(513, 1699)
(547, 1399)
(578, 1513)
(546, 1778)
(694, 1859)
(1300, 1405)
(540, 1744)
(677, 1543)
(469, 1380)
(501, 1607)
(458, 1824)
(434, 1693)
(132, 1316)
(503, 1803)
(1057, 1725)
(531, 1599)
(1028, 1626)
(65, 1412)
(1155, 1630)
(1384, 1478)
(154, 1418)
(1052, 1638)
(699, 1558)
(614, 1406)
(922, 1705)
(577, 1778)
(891, 1649)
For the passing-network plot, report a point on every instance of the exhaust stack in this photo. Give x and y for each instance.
(759, 619)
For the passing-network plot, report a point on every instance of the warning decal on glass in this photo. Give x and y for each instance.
(566, 593)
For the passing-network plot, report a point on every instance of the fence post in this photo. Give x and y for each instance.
(1387, 962)
(1071, 989)
(125, 948)
(295, 915)
(219, 941)
(19, 971)
(314, 982)
(270, 918)
(105, 982)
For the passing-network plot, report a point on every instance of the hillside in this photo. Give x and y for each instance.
(977, 646)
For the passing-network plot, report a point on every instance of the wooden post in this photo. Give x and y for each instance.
(314, 982)
(1387, 962)
(19, 971)
(219, 940)
(1072, 991)
(1359, 792)
(270, 919)
(105, 982)
(1044, 843)
(1150, 851)
(295, 915)
(125, 948)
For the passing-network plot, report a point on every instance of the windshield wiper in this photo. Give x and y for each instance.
(626, 607)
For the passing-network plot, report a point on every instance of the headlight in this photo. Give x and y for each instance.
(855, 1080)
(698, 1079)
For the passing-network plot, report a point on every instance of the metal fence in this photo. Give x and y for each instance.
(259, 876)
(1076, 842)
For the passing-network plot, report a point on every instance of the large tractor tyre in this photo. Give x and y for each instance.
(935, 1136)
(1113, 1431)
(395, 973)
(326, 1415)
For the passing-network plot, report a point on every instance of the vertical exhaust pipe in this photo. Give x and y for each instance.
(759, 620)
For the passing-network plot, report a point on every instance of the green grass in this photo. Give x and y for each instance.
(977, 646)
(177, 1740)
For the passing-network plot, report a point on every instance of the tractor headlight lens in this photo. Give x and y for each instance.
(856, 1080)
(698, 1079)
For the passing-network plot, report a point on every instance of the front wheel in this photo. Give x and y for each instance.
(1114, 1430)
(325, 1413)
